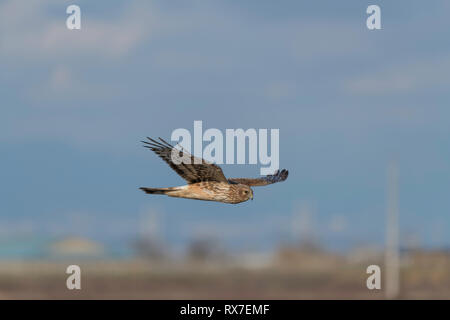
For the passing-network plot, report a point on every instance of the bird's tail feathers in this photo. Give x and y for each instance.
(157, 190)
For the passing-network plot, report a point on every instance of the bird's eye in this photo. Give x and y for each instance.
(245, 191)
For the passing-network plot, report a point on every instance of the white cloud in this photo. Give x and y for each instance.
(62, 84)
(61, 78)
(281, 90)
(402, 78)
(29, 31)
(319, 39)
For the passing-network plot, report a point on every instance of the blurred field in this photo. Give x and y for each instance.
(288, 275)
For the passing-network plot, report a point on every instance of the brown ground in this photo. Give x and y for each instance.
(424, 276)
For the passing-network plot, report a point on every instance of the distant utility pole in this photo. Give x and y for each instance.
(149, 226)
(392, 235)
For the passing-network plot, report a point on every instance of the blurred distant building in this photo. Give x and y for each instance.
(256, 260)
(365, 254)
(306, 257)
(149, 245)
(149, 248)
(205, 249)
(75, 247)
(303, 227)
(23, 248)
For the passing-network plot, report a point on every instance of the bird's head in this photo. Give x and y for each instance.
(246, 192)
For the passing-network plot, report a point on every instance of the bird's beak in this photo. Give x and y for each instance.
(251, 197)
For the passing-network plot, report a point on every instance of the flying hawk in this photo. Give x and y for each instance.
(206, 180)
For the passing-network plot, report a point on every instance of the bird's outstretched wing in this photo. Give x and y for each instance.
(278, 176)
(190, 168)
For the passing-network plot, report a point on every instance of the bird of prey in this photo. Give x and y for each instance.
(205, 180)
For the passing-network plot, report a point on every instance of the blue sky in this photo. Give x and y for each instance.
(347, 101)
